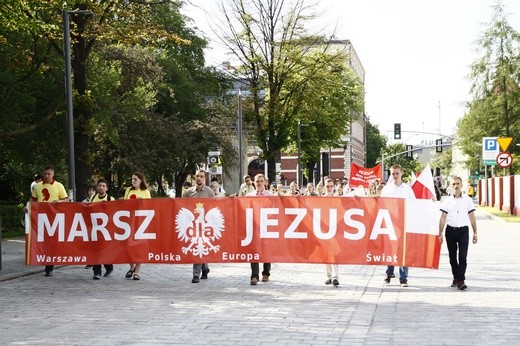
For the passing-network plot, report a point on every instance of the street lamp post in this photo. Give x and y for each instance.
(299, 177)
(239, 130)
(299, 170)
(68, 91)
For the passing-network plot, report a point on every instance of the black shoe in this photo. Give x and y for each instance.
(454, 283)
(328, 282)
(108, 272)
(335, 282)
(97, 276)
(195, 280)
(48, 273)
(388, 278)
(462, 286)
(404, 282)
(204, 275)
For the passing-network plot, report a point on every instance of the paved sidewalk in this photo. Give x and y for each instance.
(294, 308)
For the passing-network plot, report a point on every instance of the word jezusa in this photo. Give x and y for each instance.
(355, 230)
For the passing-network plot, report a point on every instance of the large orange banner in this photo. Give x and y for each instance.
(343, 230)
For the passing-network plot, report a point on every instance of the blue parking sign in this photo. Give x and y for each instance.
(490, 149)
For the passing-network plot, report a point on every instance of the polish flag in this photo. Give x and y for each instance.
(423, 187)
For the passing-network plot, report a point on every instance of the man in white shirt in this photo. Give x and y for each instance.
(458, 212)
(255, 267)
(396, 188)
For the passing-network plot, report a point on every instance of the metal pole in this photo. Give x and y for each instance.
(439, 118)
(0, 243)
(329, 173)
(298, 169)
(383, 178)
(239, 130)
(70, 115)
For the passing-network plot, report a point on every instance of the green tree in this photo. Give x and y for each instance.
(125, 22)
(31, 102)
(444, 161)
(278, 58)
(137, 68)
(376, 142)
(325, 106)
(395, 154)
(495, 108)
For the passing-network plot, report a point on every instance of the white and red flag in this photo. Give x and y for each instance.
(423, 187)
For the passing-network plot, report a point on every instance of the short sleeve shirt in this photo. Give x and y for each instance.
(263, 193)
(133, 194)
(203, 192)
(246, 189)
(457, 210)
(51, 192)
(105, 198)
(402, 191)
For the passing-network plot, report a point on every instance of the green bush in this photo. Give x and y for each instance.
(12, 216)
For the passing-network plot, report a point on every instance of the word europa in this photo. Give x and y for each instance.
(98, 225)
(355, 230)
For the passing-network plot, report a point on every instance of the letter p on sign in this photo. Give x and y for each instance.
(490, 144)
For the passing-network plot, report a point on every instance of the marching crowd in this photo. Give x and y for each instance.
(457, 214)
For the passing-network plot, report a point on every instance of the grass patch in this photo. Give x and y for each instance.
(17, 233)
(502, 214)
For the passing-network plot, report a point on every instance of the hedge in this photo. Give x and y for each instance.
(12, 216)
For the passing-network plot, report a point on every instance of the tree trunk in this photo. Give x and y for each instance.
(82, 115)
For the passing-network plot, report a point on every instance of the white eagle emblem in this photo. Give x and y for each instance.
(200, 232)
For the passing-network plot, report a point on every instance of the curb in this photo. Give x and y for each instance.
(11, 276)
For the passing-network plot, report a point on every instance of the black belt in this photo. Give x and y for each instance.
(458, 228)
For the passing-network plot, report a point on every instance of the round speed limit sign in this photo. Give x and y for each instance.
(504, 160)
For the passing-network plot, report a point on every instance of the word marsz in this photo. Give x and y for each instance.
(354, 230)
(98, 222)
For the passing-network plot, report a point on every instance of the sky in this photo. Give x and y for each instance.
(416, 55)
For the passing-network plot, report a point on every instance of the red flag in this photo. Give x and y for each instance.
(360, 176)
(423, 187)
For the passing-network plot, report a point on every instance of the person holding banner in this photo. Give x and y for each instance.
(332, 269)
(101, 196)
(49, 190)
(398, 189)
(255, 267)
(200, 190)
(139, 189)
(458, 212)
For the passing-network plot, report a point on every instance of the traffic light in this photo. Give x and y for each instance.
(409, 151)
(438, 145)
(325, 164)
(397, 131)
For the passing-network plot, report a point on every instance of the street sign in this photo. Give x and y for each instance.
(489, 150)
(504, 160)
(504, 142)
(489, 162)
